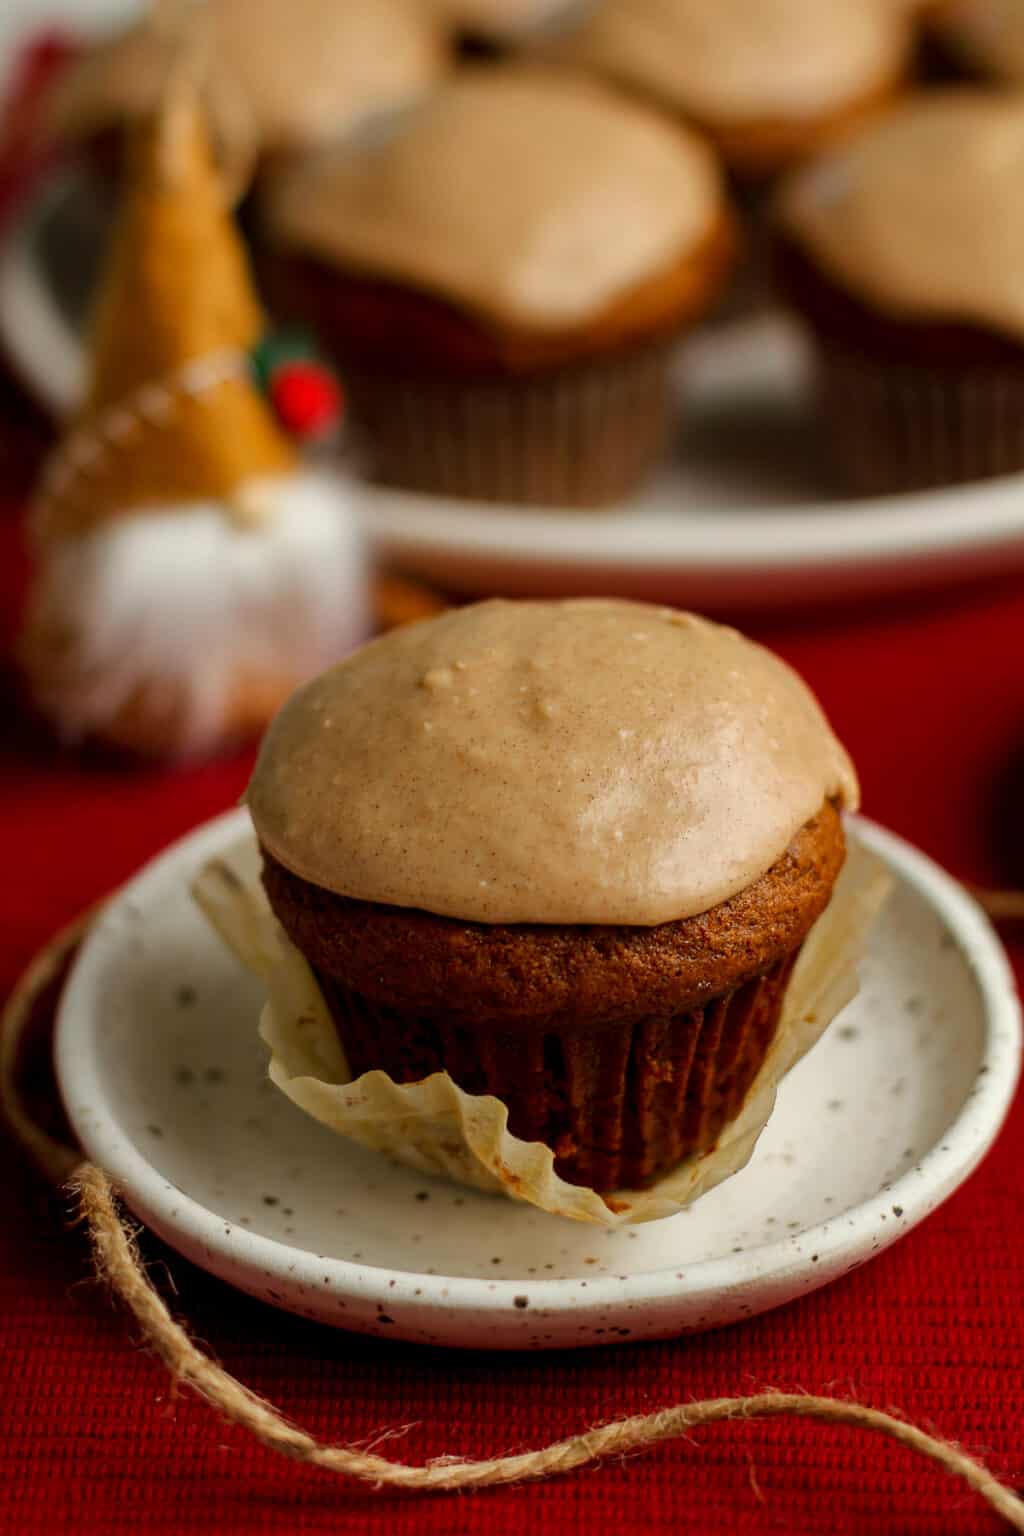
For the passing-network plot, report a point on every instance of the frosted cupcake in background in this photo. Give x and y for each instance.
(189, 571)
(503, 279)
(282, 76)
(902, 250)
(768, 82)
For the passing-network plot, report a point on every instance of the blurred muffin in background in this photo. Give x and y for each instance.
(502, 280)
(768, 82)
(281, 75)
(904, 249)
(984, 36)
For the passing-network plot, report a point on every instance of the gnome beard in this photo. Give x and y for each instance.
(170, 631)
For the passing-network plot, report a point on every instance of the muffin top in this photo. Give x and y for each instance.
(988, 34)
(734, 61)
(536, 198)
(590, 761)
(280, 73)
(921, 214)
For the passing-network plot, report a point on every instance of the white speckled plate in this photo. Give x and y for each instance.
(164, 1078)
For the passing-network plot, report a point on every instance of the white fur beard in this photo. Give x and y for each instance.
(173, 606)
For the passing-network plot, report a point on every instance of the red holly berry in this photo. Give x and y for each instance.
(306, 398)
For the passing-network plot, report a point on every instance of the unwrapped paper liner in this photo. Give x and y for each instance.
(436, 1128)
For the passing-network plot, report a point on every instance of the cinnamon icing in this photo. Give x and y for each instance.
(921, 213)
(287, 73)
(737, 61)
(589, 761)
(534, 197)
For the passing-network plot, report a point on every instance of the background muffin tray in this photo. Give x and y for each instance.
(164, 1077)
(742, 514)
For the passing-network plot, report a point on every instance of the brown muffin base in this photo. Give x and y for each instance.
(894, 429)
(371, 322)
(578, 437)
(623, 1049)
(450, 403)
(908, 405)
(618, 1107)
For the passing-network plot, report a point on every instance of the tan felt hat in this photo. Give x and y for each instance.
(171, 413)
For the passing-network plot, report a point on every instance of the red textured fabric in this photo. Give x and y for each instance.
(929, 695)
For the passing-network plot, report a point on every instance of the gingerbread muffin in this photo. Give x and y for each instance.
(903, 250)
(568, 853)
(768, 82)
(280, 76)
(502, 281)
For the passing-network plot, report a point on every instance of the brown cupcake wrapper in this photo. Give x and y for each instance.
(618, 1106)
(435, 1127)
(573, 437)
(895, 428)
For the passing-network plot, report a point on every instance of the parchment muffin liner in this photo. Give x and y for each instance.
(619, 1106)
(437, 1128)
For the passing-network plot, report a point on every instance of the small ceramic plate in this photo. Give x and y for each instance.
(165, 1081)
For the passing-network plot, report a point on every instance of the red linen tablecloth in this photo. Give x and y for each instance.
(929, 695)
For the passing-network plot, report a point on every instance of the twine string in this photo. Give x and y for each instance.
(119, 1264)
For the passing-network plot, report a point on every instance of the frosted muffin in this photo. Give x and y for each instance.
(280, 75)
(567, 853)
(768, 82)
(502, 281)
(904, 250)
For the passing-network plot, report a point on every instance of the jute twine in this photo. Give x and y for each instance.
(120, 1266)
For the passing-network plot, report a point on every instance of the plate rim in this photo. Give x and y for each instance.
(31, 326)
(932, 1178)
(869, 530)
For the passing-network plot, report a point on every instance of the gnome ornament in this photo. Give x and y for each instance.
(190, 571)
